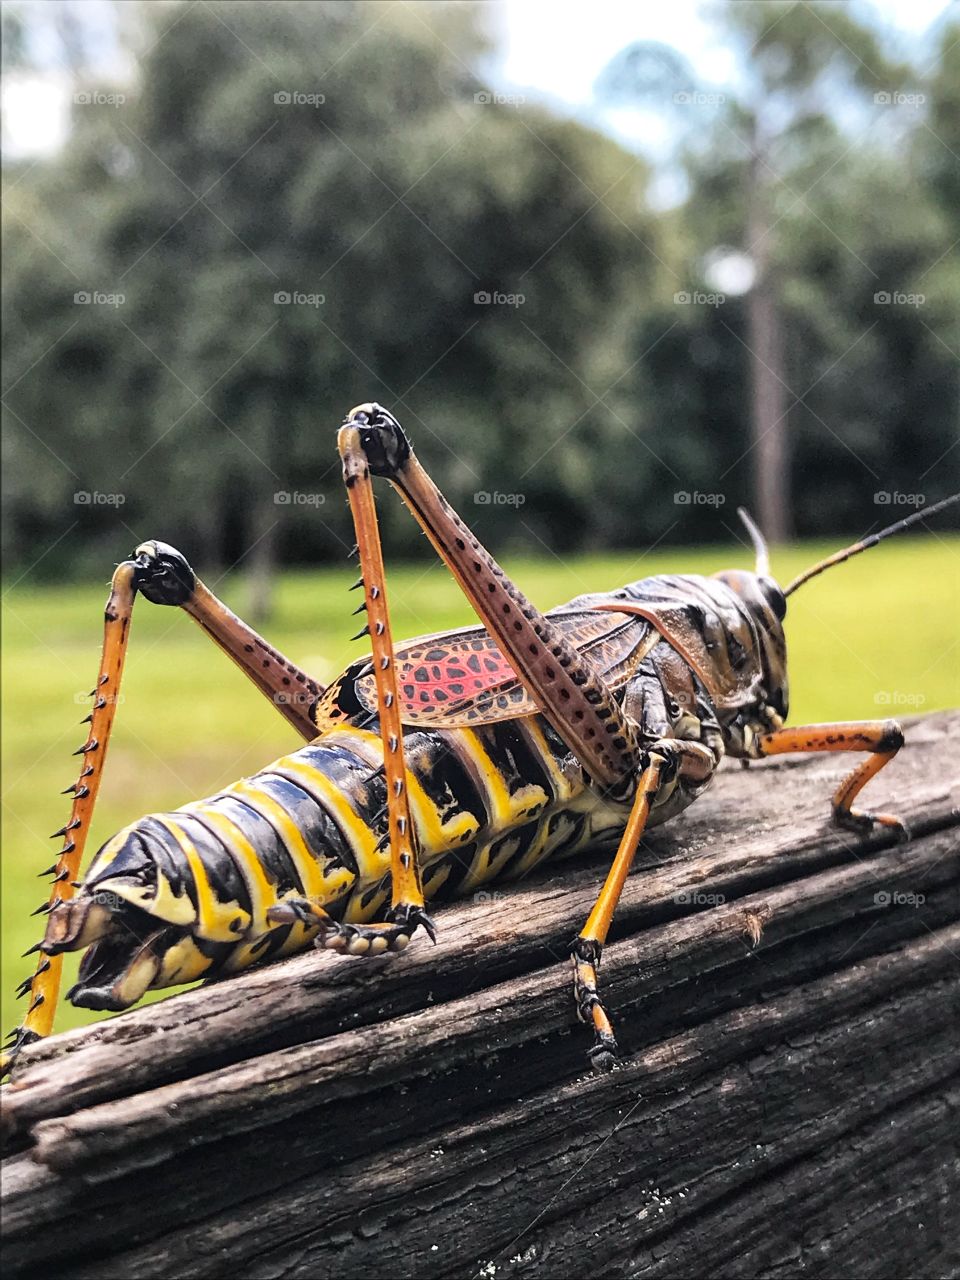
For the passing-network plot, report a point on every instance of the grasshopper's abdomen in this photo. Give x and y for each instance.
(183, 895)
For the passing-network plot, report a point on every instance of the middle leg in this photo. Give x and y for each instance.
(667, 758)
(882, 739)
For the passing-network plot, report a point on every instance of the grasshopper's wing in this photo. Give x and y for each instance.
(460, 679)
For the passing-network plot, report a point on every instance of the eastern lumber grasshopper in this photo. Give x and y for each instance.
(438, 766)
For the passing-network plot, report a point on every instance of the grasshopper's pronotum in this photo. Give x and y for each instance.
(435, 767)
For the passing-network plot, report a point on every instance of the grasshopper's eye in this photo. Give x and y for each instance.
(773, 594)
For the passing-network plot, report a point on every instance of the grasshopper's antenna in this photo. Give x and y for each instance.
(838, 557)
(762, 568)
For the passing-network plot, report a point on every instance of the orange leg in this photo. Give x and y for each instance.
(588, 945)
(163, 576)
(692, 762)
(406, 911)
(407, 891)
(882, 738)
(44, 987)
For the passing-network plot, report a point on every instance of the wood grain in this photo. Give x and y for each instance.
(784, 1107)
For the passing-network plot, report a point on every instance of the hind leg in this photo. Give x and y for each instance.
(162, 575)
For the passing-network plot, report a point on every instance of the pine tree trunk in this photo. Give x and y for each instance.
(768, 386)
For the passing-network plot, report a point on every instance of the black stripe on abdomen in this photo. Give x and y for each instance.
(320, 833)
(168, 856)
(223, 875)
(274, 859)
(515, 760)
(446, 780)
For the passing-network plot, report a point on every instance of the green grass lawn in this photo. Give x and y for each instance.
(872, 638)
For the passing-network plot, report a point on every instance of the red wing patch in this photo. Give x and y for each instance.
(444, 673)
(461, 678)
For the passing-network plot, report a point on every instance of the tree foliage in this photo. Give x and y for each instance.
(403, 199)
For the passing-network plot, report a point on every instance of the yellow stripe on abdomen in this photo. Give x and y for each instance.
(503, 809)
(319, 884)
(216, 921)
(371, 864)
(262, 893)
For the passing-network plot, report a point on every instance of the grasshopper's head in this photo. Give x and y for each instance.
(763, 604)
(760, 598)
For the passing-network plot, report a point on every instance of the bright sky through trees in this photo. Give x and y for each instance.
(553, 48)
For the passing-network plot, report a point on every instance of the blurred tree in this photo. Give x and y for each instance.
(492, 272)
(378, 217)
(799, 63)
(13, 46)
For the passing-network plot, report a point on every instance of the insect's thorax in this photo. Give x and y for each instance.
(725, 629)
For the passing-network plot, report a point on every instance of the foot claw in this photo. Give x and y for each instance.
(604, 1054)
(293, 911)
(354, 939)
(413, 917)
(863, 821)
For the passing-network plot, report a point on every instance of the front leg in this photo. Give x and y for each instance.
(882, 738)
(573, 698)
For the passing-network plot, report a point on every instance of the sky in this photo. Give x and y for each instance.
(555, 49)
(552, 50)
(560, 46)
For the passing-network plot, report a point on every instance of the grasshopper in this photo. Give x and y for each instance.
(434, 766)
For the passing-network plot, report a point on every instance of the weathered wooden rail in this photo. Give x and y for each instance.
(786, 1107)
